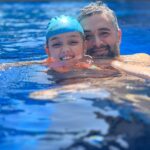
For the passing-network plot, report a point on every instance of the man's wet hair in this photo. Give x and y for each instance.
(98, 8)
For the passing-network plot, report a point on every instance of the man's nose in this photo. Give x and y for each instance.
(97, 41)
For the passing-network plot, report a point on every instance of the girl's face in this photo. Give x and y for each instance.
(66, 46)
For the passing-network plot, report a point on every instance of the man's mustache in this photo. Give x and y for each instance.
(95, 49)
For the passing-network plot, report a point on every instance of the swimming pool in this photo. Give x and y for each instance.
(102, 114)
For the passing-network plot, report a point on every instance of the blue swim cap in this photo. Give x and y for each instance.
(63, 24)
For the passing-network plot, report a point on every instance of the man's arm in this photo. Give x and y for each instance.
(141, 58)
(133, 69)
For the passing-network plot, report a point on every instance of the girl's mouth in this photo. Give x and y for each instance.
(66, 58)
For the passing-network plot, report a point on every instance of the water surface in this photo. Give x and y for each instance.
(105, 113)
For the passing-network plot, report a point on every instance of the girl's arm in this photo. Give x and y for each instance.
(4, 66)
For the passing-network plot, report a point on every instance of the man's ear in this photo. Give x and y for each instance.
(119, 35)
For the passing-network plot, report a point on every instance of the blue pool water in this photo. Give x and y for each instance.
(103, 116)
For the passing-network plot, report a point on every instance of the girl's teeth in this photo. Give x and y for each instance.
(66, 58)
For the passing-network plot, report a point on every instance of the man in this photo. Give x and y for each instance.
(103, 37)
(101, 28)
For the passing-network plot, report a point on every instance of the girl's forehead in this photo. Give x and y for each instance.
(66, 35)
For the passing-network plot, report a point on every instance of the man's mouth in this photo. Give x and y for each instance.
(98, 51)
(104, 51)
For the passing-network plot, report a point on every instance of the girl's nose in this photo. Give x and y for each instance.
(66, 50)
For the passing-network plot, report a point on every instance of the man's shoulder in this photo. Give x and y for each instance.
(138, 57)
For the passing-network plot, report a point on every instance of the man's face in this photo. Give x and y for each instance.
(102, 37)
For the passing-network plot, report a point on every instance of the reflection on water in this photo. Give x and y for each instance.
(109, 111)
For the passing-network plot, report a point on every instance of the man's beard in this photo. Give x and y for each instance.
(104, 51)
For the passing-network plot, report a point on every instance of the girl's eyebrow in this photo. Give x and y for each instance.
(73, 36)
(54, 38)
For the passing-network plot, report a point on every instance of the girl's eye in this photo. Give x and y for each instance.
(56, 45)
(73, 42)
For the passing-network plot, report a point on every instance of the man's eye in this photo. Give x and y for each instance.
(89, 37)
(104, 34)
(56, 45)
